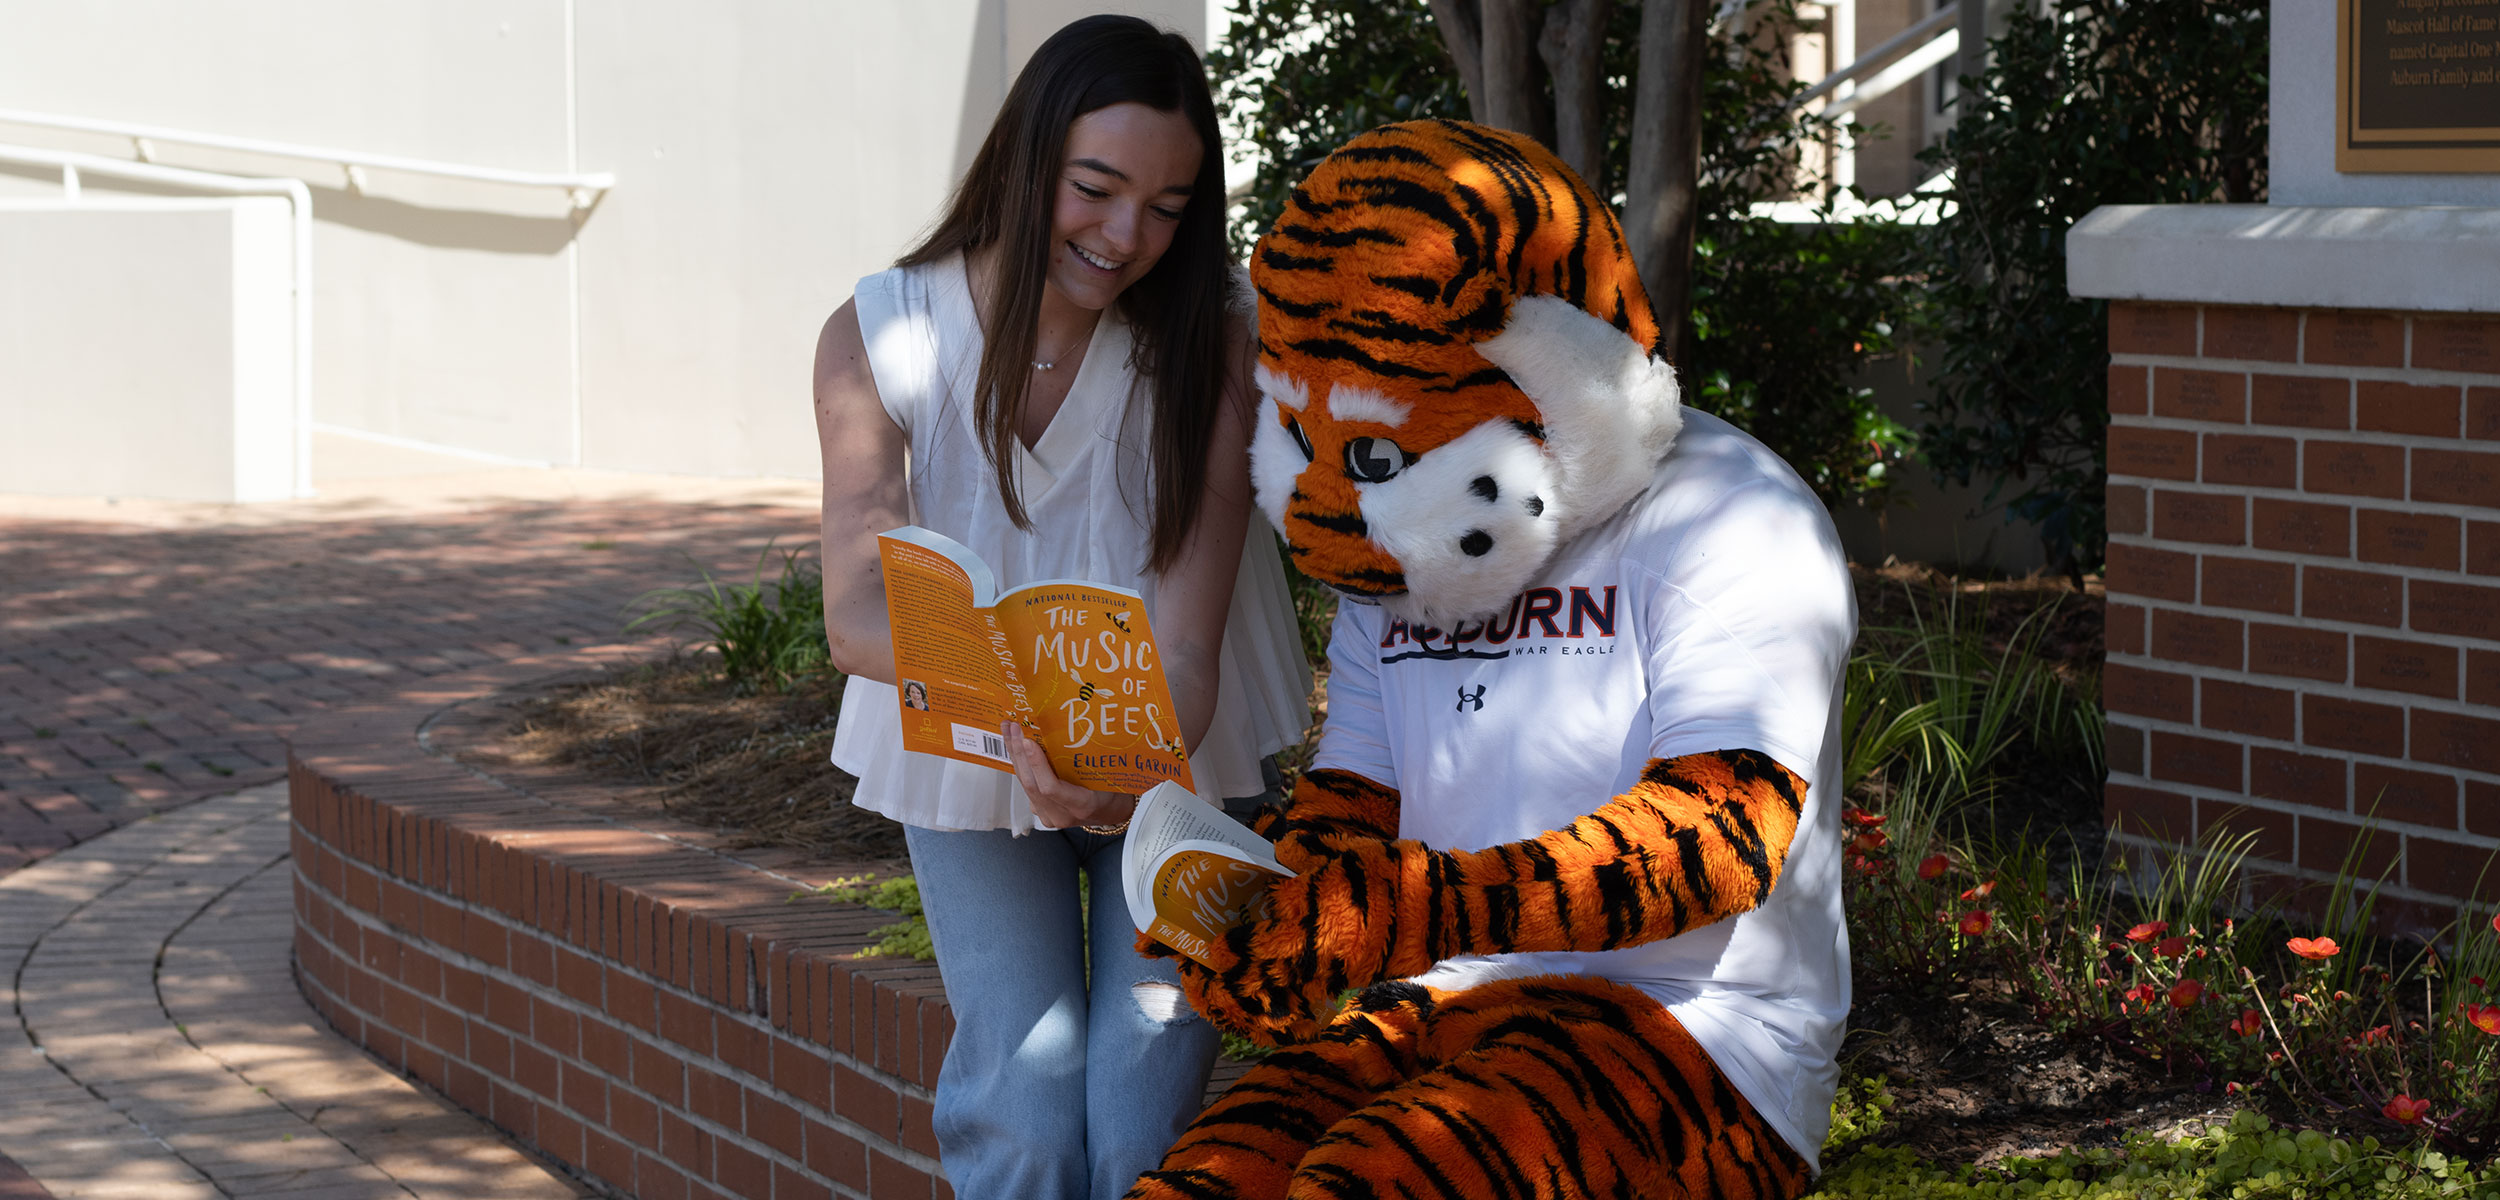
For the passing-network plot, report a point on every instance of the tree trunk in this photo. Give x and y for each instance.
(1494, 43)
(1662, 201)
(1574, 49)
(1455, 21)
(1514, 81)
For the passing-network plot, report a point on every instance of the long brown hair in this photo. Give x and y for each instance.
(1176, 310)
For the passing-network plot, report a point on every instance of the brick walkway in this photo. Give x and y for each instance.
(142, 667)
(152, 655)
(176, 1058)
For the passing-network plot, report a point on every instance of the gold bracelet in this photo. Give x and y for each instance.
(1106, 830)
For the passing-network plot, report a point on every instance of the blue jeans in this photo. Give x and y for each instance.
(1052, 1089)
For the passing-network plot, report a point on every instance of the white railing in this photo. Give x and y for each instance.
(1930, 41)
(1900, 59)
(584, 189)
(72, 164)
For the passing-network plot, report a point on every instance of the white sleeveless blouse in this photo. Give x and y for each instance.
(1086, 488)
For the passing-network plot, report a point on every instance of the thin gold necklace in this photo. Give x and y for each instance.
(1052, 364)
(1074, 344)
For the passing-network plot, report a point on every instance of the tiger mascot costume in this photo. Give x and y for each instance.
(1571, 836)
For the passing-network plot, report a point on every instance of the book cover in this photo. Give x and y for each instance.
(1072, 661)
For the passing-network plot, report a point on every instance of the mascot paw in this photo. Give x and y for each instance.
(1274, 979)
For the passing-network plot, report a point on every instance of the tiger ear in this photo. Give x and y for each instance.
(1611, 410)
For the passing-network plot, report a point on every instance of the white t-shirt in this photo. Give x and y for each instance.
(1713, 613)
(1085, 488)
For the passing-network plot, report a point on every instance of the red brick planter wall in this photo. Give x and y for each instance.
(2304, 587)
(646, 1010)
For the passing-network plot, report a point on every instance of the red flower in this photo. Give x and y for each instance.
(2495, 922)
(2148, 931)
(1976, 923)
(2405, 1110)
(2319, 948)
(2186, 994)
(2171, 948)
(1981, 892)
(2250, 1024)
(1859, 816)
(1934, 865)
(1871, 841)
(2143, 994)
(2375, 1036)
(2485, 1017)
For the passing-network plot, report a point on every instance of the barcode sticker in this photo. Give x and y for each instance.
(986, 743)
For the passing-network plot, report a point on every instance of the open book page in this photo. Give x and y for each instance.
(1074, 662)
(1191, 872)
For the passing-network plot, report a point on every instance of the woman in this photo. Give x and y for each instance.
(1058, 367)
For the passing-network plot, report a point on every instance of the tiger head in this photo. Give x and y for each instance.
(1457, 369)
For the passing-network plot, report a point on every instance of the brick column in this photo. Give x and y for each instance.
(2304, 587)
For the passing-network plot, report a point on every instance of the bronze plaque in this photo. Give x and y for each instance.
(2417, 85)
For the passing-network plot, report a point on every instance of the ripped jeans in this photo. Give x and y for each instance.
(1051, 1090)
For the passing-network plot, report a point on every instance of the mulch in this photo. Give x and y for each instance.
(754, 765)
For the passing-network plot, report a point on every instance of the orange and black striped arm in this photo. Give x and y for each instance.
(1700, 838)
(1331, 803)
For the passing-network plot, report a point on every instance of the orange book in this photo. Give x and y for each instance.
(1072, 661)
(1191, 872)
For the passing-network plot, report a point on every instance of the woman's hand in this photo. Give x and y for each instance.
(1056, 802)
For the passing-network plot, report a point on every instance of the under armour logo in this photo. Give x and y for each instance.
(1475, 702)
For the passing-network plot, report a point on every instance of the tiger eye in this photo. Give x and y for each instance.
(1371, 460)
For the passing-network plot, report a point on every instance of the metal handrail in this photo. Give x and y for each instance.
(71, 163)
(1910, 67)
(584, 188)
(1892, 46)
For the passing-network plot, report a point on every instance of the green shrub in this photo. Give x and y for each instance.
(1786, 316)
(2087, 102)
(766, 635)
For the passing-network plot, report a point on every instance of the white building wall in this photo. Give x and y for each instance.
(767, 154)
(145, 348)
